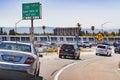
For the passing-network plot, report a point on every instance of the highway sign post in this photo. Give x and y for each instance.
(31, 11)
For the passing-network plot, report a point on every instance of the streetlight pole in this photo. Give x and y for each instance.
(16, 25)
(16, 28)
(104, 24)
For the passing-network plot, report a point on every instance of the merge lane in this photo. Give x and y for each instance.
(51, 63)
(98, 68)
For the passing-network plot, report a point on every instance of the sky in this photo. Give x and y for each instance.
(64, 13)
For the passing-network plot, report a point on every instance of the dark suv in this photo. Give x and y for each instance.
(71, 50)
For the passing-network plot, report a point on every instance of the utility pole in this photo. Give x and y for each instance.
(32, 31)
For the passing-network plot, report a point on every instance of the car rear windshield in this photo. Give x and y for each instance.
(67, 46)
(15, 46)
(103, 47)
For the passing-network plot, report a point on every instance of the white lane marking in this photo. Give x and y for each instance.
(58, 74)
(60, 71)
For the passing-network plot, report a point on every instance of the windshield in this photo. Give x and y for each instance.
(14, 46)
(67, 46)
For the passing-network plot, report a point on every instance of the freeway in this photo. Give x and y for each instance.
(98, 68)
(51, 64)
(89, 67)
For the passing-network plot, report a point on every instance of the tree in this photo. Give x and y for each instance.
(93, 28)
(43, 27)
(5, 33)
(106, 33)
(119, 32)
(1, 31)
(112, 34)
(79, 29)
(12, 32)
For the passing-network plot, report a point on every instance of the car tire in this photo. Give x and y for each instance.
(78, 57)
(75, 57)
(60, 56)
(110, 55)
(90, 46)
(84, 46)
(37, 77)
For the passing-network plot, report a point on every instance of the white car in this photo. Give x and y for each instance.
(103, 50)
(18, 58)
(85, 44)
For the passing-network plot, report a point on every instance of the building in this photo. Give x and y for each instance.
(71, 31)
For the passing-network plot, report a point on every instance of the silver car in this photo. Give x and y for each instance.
(17, 59)
(103, 50)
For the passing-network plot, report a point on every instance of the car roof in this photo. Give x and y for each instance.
(104, 43)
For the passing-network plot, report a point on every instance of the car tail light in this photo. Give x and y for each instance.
(61, 49)
(29, 60)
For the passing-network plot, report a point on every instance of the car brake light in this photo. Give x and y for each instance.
(29, 60)
(61, 48)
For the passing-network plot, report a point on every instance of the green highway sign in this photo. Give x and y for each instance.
(31, 10)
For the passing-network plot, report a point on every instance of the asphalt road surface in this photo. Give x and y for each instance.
(89, 67)
(98, 68)
(51, 64)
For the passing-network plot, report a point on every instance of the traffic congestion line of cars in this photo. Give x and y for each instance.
(19, 57)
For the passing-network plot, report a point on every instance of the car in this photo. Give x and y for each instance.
(85, 44)
(69, 50)
(117, 49)
(19, 58)
(116, 43)
(51, 49)
(103, 50)
(47, 44)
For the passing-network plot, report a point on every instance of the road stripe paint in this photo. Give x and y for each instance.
(67, 66)
(58, 74)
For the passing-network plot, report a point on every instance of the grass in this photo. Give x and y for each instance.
(119, 65)
(85, 50)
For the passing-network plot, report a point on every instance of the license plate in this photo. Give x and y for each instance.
(66, 49)
(11, 58)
